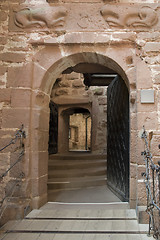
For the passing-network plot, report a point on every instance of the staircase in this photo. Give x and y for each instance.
(56, 221)
(75, 170)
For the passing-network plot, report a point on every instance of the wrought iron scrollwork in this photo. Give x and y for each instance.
(152, 182)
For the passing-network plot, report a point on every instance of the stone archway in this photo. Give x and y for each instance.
(55, 66)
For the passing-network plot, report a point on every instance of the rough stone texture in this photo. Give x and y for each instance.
(12, 57)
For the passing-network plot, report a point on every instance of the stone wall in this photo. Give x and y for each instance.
(35, 50)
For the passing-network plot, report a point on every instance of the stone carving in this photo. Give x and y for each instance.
(47, 16)
(144, 17)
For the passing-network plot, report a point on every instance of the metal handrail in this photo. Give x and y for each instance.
(19, 134)
(151, 177)
(18, 160)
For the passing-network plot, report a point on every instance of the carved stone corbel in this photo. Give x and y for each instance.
(43, 16)
(136, 17)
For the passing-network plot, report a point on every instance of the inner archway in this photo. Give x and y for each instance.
(80, 130)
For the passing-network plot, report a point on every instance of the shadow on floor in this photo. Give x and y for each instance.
(101, 194)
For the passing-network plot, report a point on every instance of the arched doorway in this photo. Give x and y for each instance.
(117, 140)
(62, 63)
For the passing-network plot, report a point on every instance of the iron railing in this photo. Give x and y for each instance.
(19, 135)
(152, 182)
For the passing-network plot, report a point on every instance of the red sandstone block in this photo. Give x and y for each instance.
(5, 141)
(62, 91)
(40, 120)
(20, 98)
(133, 189)
(2, 83)
(3, 40)
(12, 57)
(0, 118)
(152, 47)
(148, 119)
(5, 95)
(157, 78)
(40, 164)
(40, 100)
(154, 145)
(142, 198)
(14, 118)
(78, 83)
(39, 186)
(3, 16)
(4, 159)
(19, 76)
(40, 140)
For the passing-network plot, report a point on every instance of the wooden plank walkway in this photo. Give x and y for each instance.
(56, 221)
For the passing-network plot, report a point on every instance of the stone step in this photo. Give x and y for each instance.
(80, 164)
(98, 171)
(55, 221)
(61, 206)
(77, 156)
(72, 236)
(107, 214)
(79, 226)
(74, 183)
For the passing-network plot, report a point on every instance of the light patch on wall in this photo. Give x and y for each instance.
(147, 96)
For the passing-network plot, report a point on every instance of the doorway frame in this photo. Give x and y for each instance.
(48, 64)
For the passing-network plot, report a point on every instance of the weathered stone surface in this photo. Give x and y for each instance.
(14, 118)
(155, 145)
(41, 18)
(125, 16)
(64, 84)
(148, 119)
(61, 91)
(40, 100)
(40, 140)
(157, 78)
(133, 188)
(17, 76)
(40, 120)
(40, 186)
(142, 198)
(72, 76)
(40, 164)
(3, 16)
(77, 83)
(102, 100)
(152, 47)
(12, 57)
(143, 76)
(20, 98)
(5, 95)
(98, 91)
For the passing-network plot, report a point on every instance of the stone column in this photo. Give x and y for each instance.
(63, 132)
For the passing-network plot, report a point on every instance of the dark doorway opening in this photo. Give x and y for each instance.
(53, 129)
